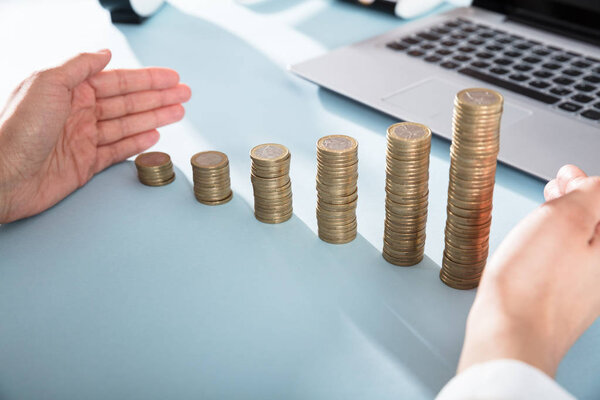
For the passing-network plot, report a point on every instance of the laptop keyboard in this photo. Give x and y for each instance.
(548, 74)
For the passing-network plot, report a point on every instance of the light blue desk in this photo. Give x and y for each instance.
(129, 292)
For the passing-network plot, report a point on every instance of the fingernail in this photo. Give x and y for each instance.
(104, 51)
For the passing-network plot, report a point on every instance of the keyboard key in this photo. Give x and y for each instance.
(513, 54)
(480, 64)
(427, 46)
(532, 60)
(449, 65)
(541, 52)
(494, 47)
(428, 36)
(469, 29)
(484, 55)
(584, 87)
(523, 67)
(515, 87)
(519, 77)
(443, 52)
(572, 72)
(597, 105)
(411, 40)
(582, 98)
(476, 42)
(462, 58)
(440, 30)
(559, 91)
(539, 84)
(543, 74)
(499, 71)
(487, 35)
(596, 70)
(433, 59)
(397, 46)
(449, 43)
(581, 64)
(504, 40)
(592, 79)
(503, 61)
(561, 80)
(458, 36)
(522, 46)
(452, 24)
(551, 66)
(572, 53)
(466, 49)
(561, 58)
(591, 114)
(415, 53)
(570, 107)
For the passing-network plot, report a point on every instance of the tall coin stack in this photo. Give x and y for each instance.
(407, 191)
(212, 185)
(337, 195)
(270, 175)
(475, 146)
(155, 168)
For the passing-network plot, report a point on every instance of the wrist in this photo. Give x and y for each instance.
(497, 333)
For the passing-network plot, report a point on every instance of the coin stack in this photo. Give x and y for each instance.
(270, 175)
(155, 168)
(475, 146)
(337, 174)
(212, 185)
(407, 190)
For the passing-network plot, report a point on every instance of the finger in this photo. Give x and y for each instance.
(113, 130)
(123, 149)
(580, 206)
(566, 174)
(551, 190)
(119, 106)
(123, 81)
(81, 67)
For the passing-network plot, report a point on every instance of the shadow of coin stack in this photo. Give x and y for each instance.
(473, 153)
(270, 175)
(155, 168)
(212, 185)
(337, 194)
(407, 191)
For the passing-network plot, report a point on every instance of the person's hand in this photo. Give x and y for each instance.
(65, 124)
(539, 291)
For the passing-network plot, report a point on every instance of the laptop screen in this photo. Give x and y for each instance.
(576, 18)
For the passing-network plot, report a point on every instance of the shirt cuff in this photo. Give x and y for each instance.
(503, 380)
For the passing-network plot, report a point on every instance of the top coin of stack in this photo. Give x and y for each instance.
(406, 187)
(337, 175)
(475, 146)
(155, 168)
(212, 185)
(271, 182)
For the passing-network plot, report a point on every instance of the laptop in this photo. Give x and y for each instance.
(542, 55)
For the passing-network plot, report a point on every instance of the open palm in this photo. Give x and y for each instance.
(65, 124)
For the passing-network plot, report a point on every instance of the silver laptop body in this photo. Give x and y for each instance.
(536, 136)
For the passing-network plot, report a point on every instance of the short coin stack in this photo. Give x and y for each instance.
(475, 146)
(212, 185)
(407, 190)
(337, 174)
(270, 175)
(155, 168)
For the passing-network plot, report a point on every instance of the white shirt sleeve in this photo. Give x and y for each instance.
(503, 380)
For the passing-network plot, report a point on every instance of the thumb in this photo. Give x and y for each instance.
(81, 67)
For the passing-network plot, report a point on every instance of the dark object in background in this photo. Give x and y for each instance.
(387, 6)
(131, 11)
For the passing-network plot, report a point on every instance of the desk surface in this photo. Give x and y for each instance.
(127, 291)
